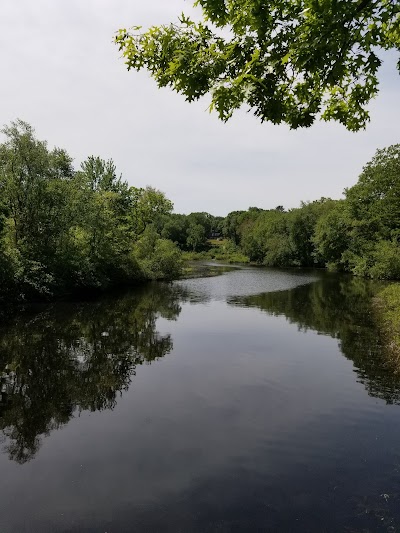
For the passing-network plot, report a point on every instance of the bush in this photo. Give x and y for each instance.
(387, 308)
(386, 261)
(157, 258)
(380, 260)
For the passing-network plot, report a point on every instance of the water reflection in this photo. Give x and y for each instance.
(82, 356)
(342, 308)
(249, 426)
(75, 357)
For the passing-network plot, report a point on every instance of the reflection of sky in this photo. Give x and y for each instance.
(239, 283)
(63, 74)
(246, 416)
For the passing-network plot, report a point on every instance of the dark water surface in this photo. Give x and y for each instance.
(258, 400)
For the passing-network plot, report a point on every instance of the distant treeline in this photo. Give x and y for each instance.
(63, 229)
(359, 234)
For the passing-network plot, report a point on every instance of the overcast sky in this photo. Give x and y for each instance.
(62, 73)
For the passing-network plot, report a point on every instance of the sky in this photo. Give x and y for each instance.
(62, 73)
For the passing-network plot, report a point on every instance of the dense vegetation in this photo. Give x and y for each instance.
(287, 60)
(387, 305)
(63, 229)
(359, 234)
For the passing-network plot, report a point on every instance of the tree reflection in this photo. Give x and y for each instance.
(75, 357)
(342, 308)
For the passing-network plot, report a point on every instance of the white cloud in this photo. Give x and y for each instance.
(63, 74)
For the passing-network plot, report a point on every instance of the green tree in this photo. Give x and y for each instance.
(288, 60)
(150, 205)
(7, 285)
(62, 229)
(157, 258)
(374, 209)
(196, 237)
(332, 235)
(175, 229)
(374, 202)
(204, 219)
(34, 184)
(232, 224)
(101, 235)
(301, 229)
(27, 171)
(265, 238)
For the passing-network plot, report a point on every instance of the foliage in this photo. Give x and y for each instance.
(196, 236)
(387, 307)
(174, 228)
(157, 258)
(360, 234)
(287, 60)
(386, 260)
(190, 232)
(225, 251)
(373, 214)
(374, 202)
(332, 234)
(150, 206)
(61, 229)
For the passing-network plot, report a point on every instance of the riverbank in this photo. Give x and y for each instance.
(14, 304)
(387, 306)
(216, 255)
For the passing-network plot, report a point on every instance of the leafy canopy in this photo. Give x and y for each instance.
(63, 229)
(289, 61)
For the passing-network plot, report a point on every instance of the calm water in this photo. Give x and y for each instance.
(257, 400)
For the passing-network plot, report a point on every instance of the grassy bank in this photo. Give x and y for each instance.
(226, 257)
(387, 305)
(219, 250)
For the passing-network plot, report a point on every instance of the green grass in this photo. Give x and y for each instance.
(218, 242)
(218, 250)
(387, 305)
(216, 255)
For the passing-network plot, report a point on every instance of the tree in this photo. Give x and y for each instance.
(373, 205)
(175, 229)
(196, 236)
(150, 205)
(34, 185)
(157, 258)
(301, 224)
(288, 60)
(204, 219)
(101, 231)
(231, 225)
(374, 202)
(27, 170)
(62, 229)
(332, 234)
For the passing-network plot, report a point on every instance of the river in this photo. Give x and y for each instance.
(258, 400)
